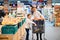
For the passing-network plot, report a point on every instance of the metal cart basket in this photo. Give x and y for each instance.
(40, 28)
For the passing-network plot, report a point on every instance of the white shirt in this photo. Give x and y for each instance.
(28, 23)
(37, 14)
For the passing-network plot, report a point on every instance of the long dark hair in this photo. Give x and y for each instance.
(32, 8)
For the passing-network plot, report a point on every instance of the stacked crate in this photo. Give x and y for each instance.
(57, 16)
(19, 33)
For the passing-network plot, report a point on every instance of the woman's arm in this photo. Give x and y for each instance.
(42, 17)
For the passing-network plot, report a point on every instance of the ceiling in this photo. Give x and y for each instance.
(53, 1)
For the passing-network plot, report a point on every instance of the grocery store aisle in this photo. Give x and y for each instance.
(51, 32)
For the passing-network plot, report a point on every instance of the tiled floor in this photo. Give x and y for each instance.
(51, 32)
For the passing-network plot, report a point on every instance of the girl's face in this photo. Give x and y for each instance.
(29, 16)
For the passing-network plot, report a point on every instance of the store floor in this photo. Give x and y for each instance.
(51, 32)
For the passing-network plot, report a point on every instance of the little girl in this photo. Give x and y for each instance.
(28, 22)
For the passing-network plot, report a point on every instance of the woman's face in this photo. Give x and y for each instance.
(34, 9)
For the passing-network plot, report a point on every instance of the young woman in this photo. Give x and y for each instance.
(38, 18)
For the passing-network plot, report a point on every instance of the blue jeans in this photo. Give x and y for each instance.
(27, 35)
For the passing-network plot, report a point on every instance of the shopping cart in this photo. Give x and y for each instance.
(40, 28)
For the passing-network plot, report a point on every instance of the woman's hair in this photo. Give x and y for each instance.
(33, 6)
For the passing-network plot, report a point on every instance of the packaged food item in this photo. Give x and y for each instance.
(11, 21)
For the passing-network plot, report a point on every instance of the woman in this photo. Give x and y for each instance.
(38, 18)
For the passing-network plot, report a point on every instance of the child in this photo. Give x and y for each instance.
(28, 22)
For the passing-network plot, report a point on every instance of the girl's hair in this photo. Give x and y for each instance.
(28, 15)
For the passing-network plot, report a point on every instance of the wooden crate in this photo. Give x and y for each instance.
(6, 37)
(19, 35)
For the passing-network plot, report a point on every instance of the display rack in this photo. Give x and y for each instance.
(18, 35)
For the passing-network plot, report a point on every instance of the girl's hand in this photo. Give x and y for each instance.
(35, 24)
